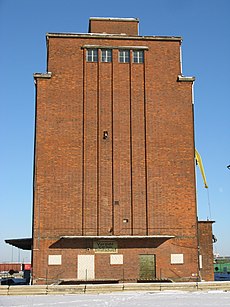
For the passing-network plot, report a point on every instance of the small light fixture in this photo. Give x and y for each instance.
(228, 166)
(105, 135)
(111, 230)
(125, 220)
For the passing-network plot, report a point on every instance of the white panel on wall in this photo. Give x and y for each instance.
(200, 261)
(116, 259)
(54, 260)
(177, 258)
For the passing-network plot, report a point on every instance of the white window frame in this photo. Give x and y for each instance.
(124, 55)
(106, 55)
(138, 56)
(92, 55)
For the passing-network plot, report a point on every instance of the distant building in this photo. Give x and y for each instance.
(114, 174)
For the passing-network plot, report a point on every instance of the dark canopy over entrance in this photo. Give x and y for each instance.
(25, 243)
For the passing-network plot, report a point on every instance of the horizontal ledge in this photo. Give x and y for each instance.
(114, 36)
(119, 237)
(186, 79)
(115, 47)
(206, 221)
(43, 75)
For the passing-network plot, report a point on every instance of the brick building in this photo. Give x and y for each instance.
(114, 175)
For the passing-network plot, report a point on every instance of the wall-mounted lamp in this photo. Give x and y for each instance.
(228, 166)
(105, 135)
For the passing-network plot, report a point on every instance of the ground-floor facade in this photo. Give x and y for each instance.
(116, 259)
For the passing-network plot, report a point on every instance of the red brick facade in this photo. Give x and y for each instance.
(114, 159)
(206, 250)
(128, 26)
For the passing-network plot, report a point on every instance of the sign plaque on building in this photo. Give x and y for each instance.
(105, 246)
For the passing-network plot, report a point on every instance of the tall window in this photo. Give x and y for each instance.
(124, 56)
(106, 55)
(91, 55)
(138, 56)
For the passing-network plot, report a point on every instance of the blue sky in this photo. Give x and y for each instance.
(204, 26)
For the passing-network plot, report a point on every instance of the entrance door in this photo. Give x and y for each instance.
(85, 267)
(147, 265)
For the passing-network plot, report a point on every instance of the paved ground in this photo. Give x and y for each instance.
(131, 299)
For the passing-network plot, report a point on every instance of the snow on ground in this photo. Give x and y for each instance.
(131, 299)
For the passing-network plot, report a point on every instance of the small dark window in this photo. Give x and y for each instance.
(105, 135)
(138, 56)
(124, 56)
(91, 55)
(106, 55)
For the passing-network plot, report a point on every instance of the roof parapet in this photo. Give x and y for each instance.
(113, 36)
(115, 18)
(46, 75)
(111, 25)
